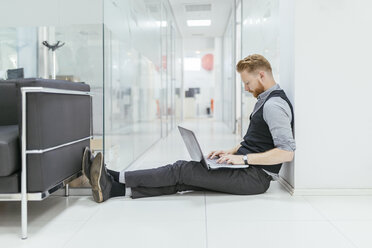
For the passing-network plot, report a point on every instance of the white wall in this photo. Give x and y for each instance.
(332, 61)
(324, 51)
(16, 13)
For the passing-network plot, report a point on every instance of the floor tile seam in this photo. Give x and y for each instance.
(160, 220)
(48, 220)
(266, 220)
(80, 227)
(351, 220)
(206, 220)
(44, 221)
(331, 223)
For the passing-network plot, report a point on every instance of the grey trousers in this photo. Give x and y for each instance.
(191, 175)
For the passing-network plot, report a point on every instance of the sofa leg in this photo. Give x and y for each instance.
(67, 190)
(24, 202)
(24, 219)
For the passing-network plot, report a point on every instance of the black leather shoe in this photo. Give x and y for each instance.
(87, 163)
(101, 181)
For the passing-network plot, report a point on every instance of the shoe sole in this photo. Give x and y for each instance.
(95, 174)
(83, 163)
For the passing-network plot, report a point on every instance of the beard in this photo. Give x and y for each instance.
(258, 90)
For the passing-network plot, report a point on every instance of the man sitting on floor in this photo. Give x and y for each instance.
(267, 144)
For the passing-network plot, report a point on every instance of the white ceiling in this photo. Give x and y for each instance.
(219, 13)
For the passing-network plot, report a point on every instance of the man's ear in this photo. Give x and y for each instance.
(261, 74)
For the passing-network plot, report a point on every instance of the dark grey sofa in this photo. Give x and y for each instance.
(10, 159)
(58, 127)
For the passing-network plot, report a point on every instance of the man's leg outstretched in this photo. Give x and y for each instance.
(172, 178)
(191, 175)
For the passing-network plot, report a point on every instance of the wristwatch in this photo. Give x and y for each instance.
(245, 158)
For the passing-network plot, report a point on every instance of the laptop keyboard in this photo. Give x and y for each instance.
(214, 161)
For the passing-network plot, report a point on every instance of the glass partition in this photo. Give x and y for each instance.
(132, 80)
(139, 38)
(80, 60)
(18, 50)
(8, 50)
(128, 51)
(228, 80)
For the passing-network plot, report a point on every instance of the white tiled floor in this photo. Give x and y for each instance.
(193, 219)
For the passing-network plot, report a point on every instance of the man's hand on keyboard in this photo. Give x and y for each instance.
(231, 159)
(218, 154)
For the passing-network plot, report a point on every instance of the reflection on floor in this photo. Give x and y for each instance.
(193, 219)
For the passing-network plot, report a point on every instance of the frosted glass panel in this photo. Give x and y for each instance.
(228, 87)
(132, 79)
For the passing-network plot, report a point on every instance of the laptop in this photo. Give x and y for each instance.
(196, 153)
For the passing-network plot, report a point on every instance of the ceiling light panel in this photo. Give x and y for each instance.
(198, 7)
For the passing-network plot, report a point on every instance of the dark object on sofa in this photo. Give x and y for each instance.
(57, 128)
(15, 73)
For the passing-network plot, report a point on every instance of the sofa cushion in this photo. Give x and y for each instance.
(11, 184)
(10, 156)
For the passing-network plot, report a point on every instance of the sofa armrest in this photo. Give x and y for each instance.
(57, 126)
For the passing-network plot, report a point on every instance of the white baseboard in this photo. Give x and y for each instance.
(324, 191)
(332, 192)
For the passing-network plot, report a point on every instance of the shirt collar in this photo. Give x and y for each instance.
(267, 92)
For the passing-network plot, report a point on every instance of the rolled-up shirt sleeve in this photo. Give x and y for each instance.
(278, 116)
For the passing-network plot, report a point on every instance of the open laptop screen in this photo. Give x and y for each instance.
(191, 143)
